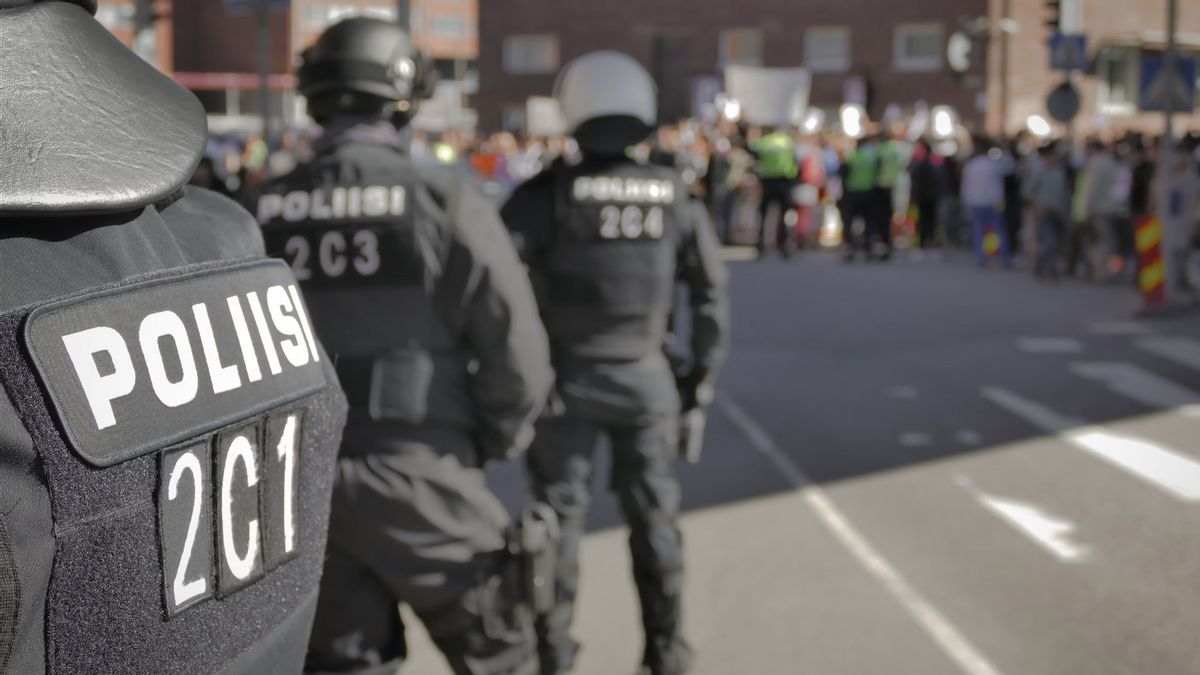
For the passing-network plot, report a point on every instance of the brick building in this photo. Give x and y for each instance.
(214, 52)
(886, 52)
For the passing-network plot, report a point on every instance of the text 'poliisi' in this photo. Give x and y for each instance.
(373, 201)
(622, 189)
(273, 325)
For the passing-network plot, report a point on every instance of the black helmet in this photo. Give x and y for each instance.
(364, 65)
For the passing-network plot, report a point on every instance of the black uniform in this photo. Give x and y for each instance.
(606, 242)
(168, 424)
(417, 292)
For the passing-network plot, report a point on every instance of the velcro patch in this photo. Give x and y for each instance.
(135, 369)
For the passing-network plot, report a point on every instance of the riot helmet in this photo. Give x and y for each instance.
(364, 66)
(608, 100)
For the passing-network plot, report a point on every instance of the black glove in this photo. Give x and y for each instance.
(695, 389)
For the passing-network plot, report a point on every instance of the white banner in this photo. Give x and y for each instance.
(769, 96)
(544, 117)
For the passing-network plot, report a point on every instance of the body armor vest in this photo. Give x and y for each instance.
(607, 283)
(367, 240)
(183, 423)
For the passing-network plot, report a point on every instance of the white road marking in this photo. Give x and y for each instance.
(1049, 345)
(944, 634)
(1155, 464)
(968, 437)
(904, 392)
(1183, 351)
(915, 439)
(1119, 328)
(1138, 384)
(1162, 467)
(1049, 532)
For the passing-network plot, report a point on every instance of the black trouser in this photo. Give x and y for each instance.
(856, 205)
(418, 525)
(560, 465)
(880, 216)
(775, 191)
(927, 222)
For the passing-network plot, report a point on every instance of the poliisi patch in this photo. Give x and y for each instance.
(137, 368)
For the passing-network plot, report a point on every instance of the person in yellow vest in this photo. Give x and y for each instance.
(859, 175)
(777, 170)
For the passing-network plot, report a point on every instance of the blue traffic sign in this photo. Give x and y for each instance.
(249, 6)
(1069, 52)
(1158, 86)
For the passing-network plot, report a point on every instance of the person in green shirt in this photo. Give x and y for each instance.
(860, 175)
(893, 160)
(775, 155)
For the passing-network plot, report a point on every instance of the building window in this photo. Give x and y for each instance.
(531, 54)
(449, 26)
(741, 47)
(918, 47)
(827, 49)
(1117, 73)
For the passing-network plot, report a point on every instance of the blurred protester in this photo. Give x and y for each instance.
(859, 175)
(1103, 208)
(1178, 213)
(1010, 163)
(777, 171)
(728, 167)
(1142, 168)
(1049, 195)
(983, 195)
(950, 208)
(1081, 236)
(928, 184)
(893, 160)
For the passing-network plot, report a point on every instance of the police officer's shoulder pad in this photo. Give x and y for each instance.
(89, 127)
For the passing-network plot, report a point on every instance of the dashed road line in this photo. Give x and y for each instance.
(1138, 384)
(1119, 328)
(1162, 467)
(929, 618)
(1049, 345)
(1183, 351)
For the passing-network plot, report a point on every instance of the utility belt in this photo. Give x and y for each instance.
(410, 386)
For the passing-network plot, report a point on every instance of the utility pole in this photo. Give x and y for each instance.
(404, 14)
(1166, 166)
(1005, 11)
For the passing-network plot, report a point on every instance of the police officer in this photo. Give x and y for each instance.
(606, 241)
(168, 423)
(417, 291)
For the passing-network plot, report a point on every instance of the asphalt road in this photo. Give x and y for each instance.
(923, 467)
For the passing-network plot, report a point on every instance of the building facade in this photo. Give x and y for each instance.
(877, 52)
(874, 52)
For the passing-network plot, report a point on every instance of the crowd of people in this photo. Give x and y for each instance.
(1055, 207)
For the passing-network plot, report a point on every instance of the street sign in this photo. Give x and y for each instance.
(1069, 52)
(1158, 86)
(250, 6)
(1063, 102)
